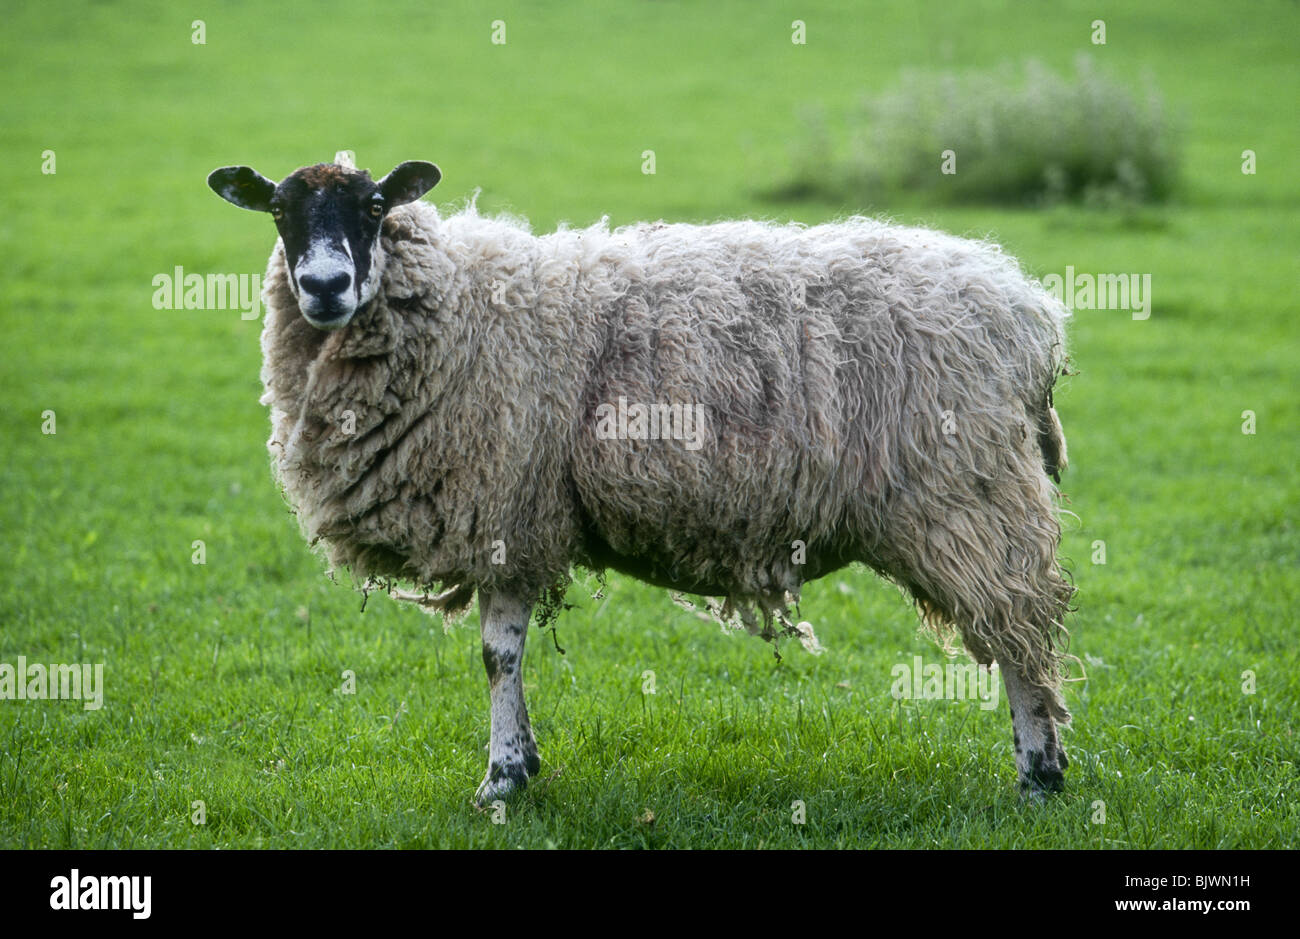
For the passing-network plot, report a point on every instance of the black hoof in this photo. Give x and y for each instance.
(1043, 777)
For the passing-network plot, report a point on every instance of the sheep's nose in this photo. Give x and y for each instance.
(325, 286)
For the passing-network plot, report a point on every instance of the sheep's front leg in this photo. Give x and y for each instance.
(1040, 759)
(512, 752)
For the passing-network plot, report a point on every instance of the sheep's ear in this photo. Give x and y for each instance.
(243, 186)
(408, 181)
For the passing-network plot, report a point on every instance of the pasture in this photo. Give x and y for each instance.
(224, 680)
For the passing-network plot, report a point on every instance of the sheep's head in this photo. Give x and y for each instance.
(328, 216)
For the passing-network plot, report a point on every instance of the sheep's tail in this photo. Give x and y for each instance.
(1038, 401)
(1051, 439)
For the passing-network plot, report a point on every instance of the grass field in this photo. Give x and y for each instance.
(222, 679)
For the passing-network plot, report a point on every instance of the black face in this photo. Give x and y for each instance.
(328, 217)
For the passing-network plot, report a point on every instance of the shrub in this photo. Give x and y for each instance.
(1018, 135)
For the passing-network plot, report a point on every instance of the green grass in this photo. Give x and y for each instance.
(222, 679)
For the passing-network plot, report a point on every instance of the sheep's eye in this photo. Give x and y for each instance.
(376, 209)
(277, 213)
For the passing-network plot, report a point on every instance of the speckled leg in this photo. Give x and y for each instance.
(512, 752)
(1040, 759)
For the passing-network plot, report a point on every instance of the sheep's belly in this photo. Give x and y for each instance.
(601, 556)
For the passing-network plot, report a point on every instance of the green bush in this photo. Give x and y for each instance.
(1017, 135)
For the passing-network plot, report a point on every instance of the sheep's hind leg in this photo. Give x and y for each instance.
(512, 751)
(1040, 759)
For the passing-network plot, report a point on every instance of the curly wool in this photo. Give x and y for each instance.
(871, 392)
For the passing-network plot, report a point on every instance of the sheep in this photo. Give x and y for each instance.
(467, 407)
